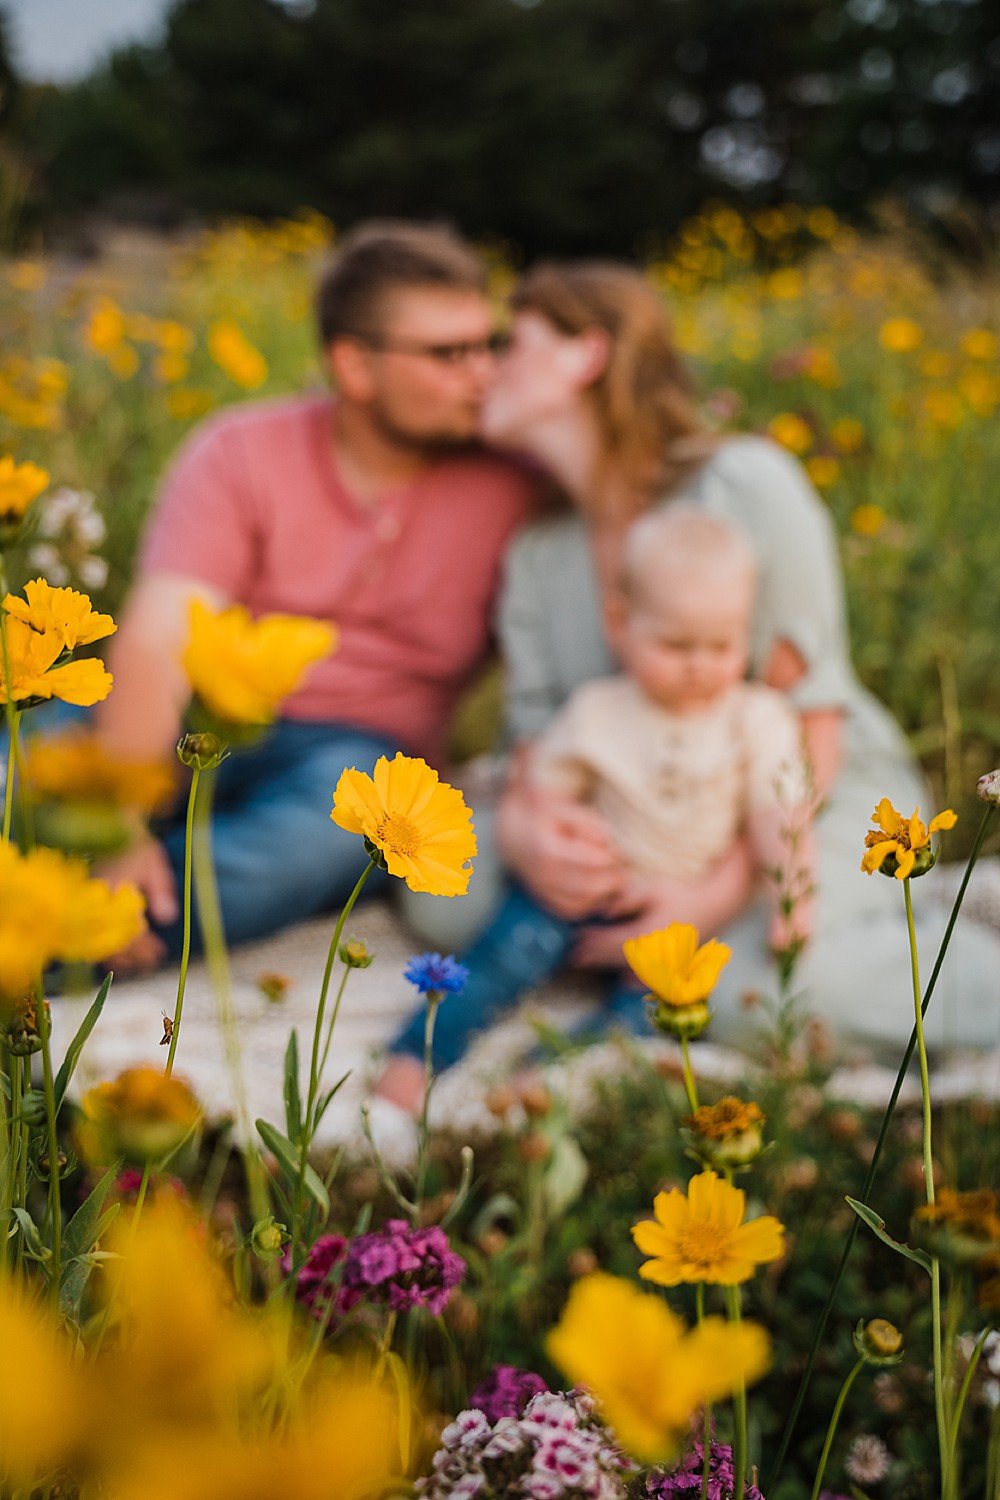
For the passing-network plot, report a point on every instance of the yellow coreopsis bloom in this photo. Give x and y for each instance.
(36, 672)
(902, 846)
(674, 967)
(39, 1357)
(141, 1115)
(233, 352)
(791, 431)
(51, 910)
(419, 824)
(900, 335)
(76, 766)
(20, 486)
(64, 613)
(648, 1373)
(242, 669)
(701, 1236)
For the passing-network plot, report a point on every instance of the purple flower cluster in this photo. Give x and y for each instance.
(555, 1451)
(686, 1478)
(506, 1391)
(397, 1266)
(401, 1267)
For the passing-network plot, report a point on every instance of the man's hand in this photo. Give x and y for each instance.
(144, 865)
(562, 851)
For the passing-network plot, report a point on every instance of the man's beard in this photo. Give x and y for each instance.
(423, 444)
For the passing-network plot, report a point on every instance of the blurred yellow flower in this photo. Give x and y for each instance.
(900, 335)
(142, 1116)
(170, 367)
(34, 676)
(791, 431)
(233, 352)
(419, 824)
(20, 486)
(185, 404)
(980, 343)
(821, 223)
(51, 910)
(648, 1373)
(786, 285)
(936, 364)
(26, 275)
(701, 1236)
(39, 1361)
(902, 846)
(63, 612)
(847, 434)
(868, 520)
(75, 765)
(823, 469)
(981, 389)
(672, 965)
(943, 408)
(106, 326)
(242, 669)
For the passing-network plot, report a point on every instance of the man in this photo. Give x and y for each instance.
(375, 509)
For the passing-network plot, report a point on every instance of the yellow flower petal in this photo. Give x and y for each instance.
(702, 1236)
(875, 857)
(942, 820)
(419, 823)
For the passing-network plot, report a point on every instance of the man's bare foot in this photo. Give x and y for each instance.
(402, 1082)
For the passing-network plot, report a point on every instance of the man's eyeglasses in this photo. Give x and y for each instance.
(445, 354)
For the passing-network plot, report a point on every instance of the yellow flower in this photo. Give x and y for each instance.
(673, 967)
(902, 846)
(727, 1134)
(868, 520)
(20, 486)
(847, 434)
(34, 675)
(243, 669)
(648, 1373)
(38, 1358)
(900, 335)
(63, 612)
(184, 404)
(51, 910)
(823, 470)
(791, 431)
(75, 766)
(142, 1115)
(980, 343)
(236, 356)
(702, 1237)
(419, 824)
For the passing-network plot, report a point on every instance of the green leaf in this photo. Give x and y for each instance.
(323, 1104)
(76, 1046)
(877, 1226)
(33, 1246)
(293, 1099)
(287, 1155)
(83, 1232)
(565, 1175)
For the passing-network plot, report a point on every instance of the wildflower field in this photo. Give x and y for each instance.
(675, 1290)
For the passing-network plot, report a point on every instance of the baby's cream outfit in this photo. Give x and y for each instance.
(677, 789)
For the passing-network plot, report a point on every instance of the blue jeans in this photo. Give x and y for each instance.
(523, 946)
(278, 856)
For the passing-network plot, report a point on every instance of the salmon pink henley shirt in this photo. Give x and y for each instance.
(254, 505)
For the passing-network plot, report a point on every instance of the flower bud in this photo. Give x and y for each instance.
(534, 1147)
(143, 1116)
(879, 1342)
(726, 1135)
(536, 1101)
(988, 788)
(201, 751)
(274, 987)
(354, 954)
(267, 1237)
(500, 1100)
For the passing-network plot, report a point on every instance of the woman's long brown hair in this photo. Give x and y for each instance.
(653, 434)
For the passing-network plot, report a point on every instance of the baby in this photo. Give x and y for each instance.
(679, 755)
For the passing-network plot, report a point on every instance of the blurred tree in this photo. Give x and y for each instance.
(568, 125)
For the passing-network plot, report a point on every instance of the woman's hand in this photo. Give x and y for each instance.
(562, 851)
(710, 905)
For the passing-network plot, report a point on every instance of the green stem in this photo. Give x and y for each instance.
(434, 998)
(175, 1030)
(956, 1419)
(51, 1113)
(706, 1459)
(689, 1083)
(830, 1431)
(214, 940)
(13, 722)
(315, 1067)
(333, 1021)
(865, 1194)
(739, 1405)
(925, 1090)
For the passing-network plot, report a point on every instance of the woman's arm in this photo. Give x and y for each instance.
(822, 728)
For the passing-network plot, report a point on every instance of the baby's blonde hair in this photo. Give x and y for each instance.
(682, 539)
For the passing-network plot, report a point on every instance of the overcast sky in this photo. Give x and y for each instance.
(62, 39)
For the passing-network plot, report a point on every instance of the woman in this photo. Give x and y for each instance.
(593, 390)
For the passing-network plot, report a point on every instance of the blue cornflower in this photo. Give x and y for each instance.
(436, 973)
